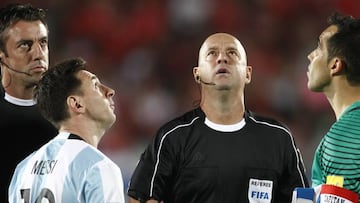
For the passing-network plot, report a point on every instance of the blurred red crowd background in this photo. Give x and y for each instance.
(146, 49)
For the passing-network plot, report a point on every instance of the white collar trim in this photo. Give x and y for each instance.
(19, 102)
(225, 128)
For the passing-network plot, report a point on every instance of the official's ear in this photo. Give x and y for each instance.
(248, 74)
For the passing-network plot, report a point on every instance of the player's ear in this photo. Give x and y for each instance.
(336, 66)
(74, 104)
(196, 74)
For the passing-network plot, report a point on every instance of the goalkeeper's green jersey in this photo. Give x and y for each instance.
(338, 153)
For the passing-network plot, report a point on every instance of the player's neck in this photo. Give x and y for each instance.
(85, 131)
(341, 98)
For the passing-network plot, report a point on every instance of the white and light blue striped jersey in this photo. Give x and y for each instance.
(66, 170)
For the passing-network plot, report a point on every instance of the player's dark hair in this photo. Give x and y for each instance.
(14, 13)
(345, 44)
(55, 86)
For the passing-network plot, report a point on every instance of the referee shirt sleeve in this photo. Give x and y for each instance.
(294, 174)
(152, 175)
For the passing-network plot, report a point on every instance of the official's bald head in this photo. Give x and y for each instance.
(219, 40)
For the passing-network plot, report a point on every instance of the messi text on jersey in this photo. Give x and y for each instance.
(43, 167)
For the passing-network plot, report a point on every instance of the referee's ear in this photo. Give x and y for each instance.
(74, 104)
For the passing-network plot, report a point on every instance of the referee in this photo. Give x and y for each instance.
(219, 152)
(24, 57)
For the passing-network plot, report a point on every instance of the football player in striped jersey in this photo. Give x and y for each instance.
(70, 168)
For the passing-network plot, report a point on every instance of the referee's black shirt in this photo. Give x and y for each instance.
(190, 162)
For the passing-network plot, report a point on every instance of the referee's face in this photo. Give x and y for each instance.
(27, 52)
(222, 60)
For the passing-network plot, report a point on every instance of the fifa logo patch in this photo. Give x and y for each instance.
(260, 191)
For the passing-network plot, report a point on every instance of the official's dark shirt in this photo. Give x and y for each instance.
(190, 162)
(23, 130)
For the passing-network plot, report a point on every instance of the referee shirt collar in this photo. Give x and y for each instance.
(19, 102)
(225, 128)
(220, 127)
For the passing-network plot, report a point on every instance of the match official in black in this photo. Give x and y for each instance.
(220, 151)
(24, 57)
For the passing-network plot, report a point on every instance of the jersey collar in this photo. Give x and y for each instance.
(19, 102)
(225, 128)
